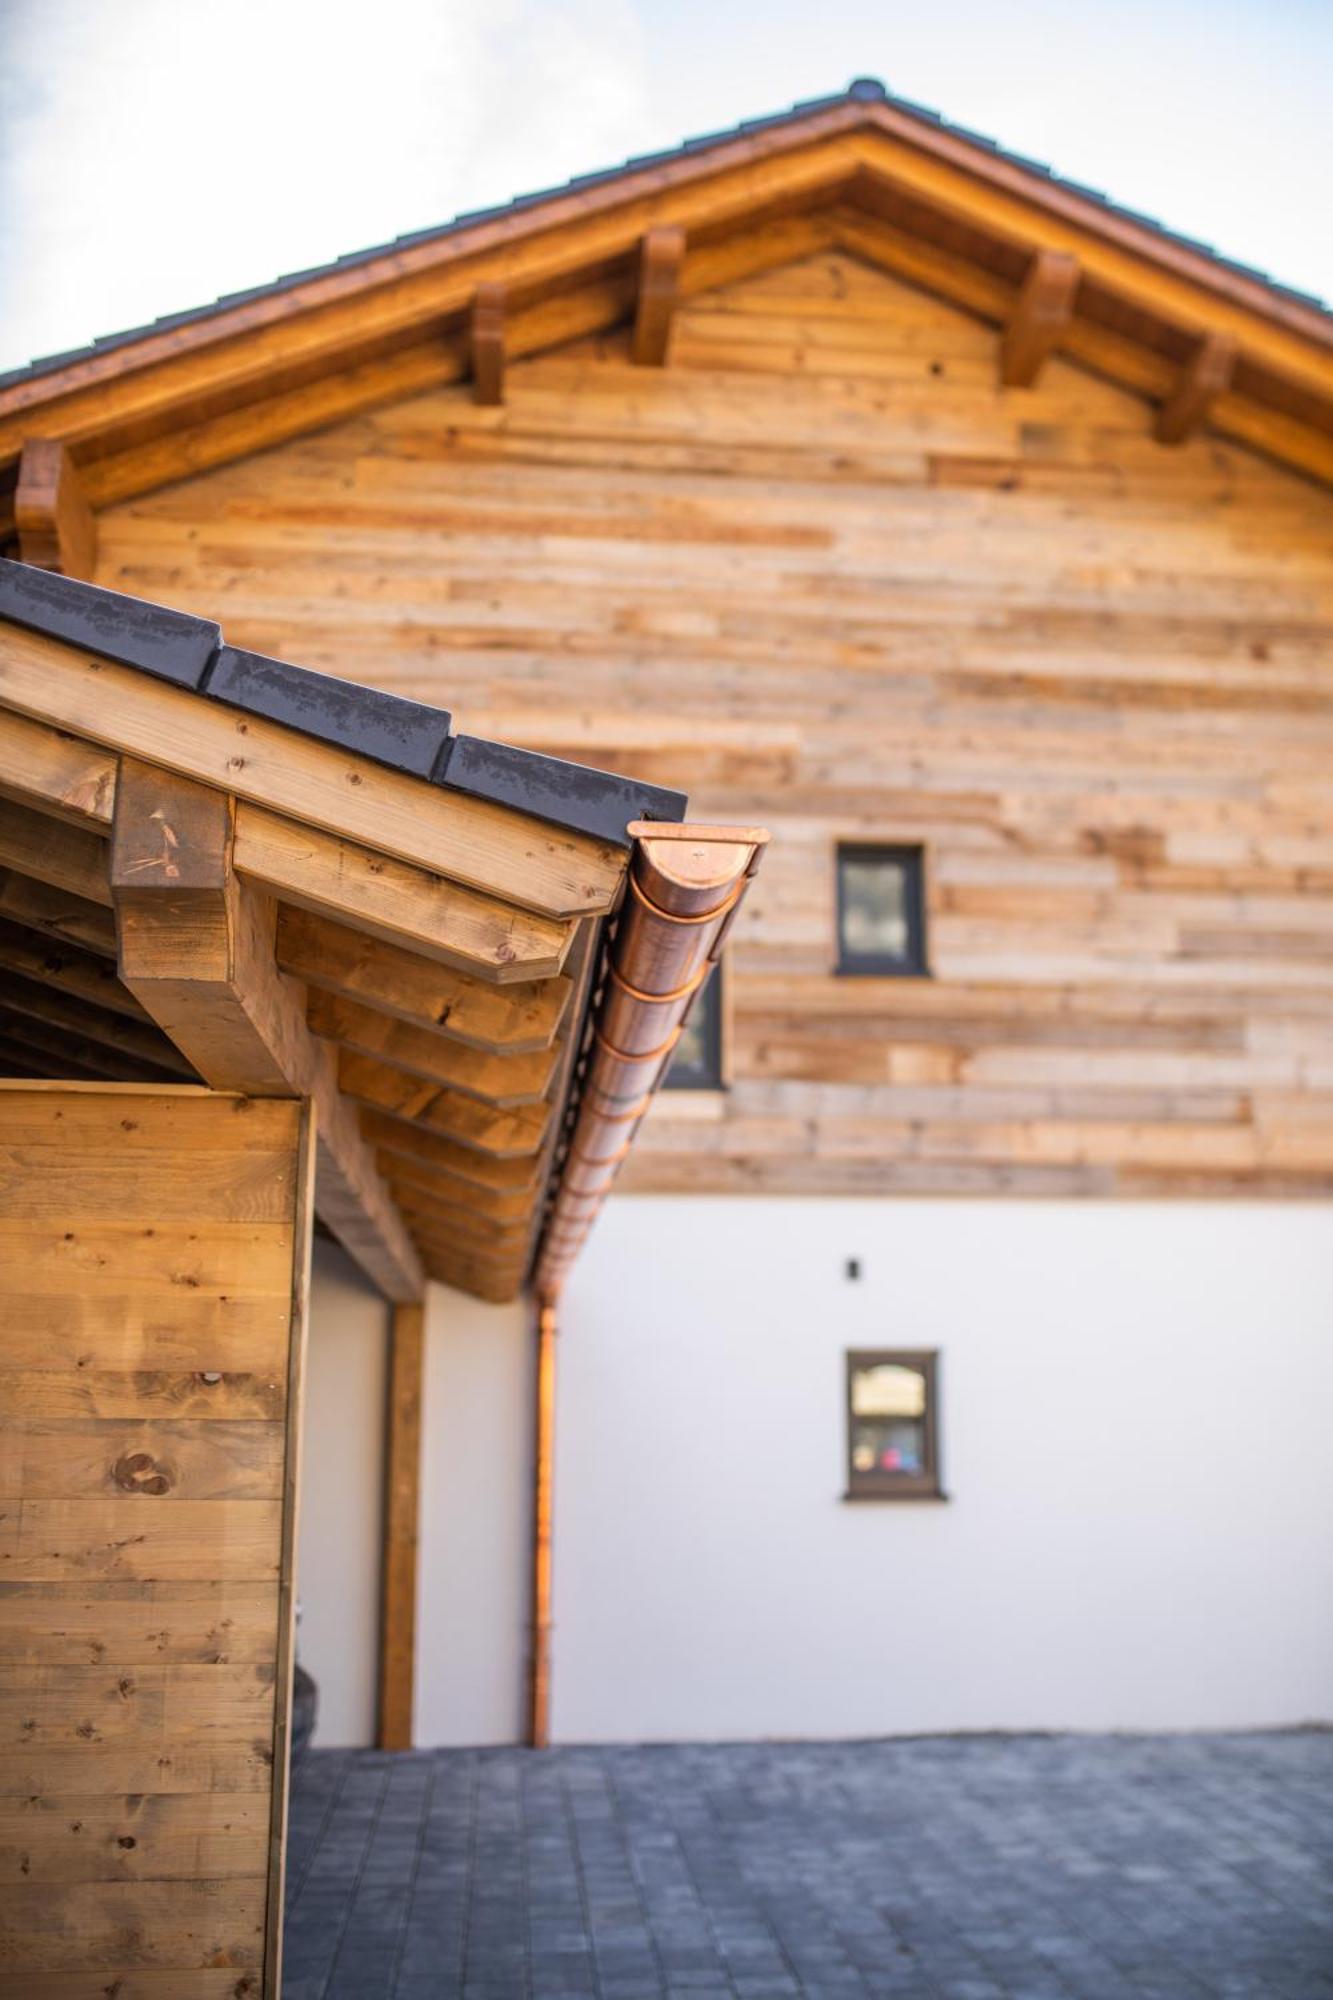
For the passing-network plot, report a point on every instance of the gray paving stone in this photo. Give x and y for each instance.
(1004, 1868)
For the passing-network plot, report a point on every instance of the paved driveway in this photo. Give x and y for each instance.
(1009, 1868)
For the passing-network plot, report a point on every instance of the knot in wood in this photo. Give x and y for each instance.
(137, 1472)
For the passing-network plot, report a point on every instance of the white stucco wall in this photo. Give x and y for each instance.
(1137, 1405)
(476, 1488)
(341, 1502)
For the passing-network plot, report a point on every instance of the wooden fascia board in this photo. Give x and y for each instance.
(469, 841)
(130, 390)
(205, 376)
(591, 305)
(374, 896)
(637, 192)
(1146, 244)
(662, 186)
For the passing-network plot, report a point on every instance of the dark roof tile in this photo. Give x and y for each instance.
(409, 736)
(574, 794)
(169, 644)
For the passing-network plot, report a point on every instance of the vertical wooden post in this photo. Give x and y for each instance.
(402, 1484)
(152, 1321)
(539, 1664)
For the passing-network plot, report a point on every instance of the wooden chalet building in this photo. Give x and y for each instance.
(871, 486)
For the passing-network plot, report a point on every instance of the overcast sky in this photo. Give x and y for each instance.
(155, 153)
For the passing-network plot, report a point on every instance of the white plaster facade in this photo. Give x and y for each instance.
(1136, 1407)
(341, 1513)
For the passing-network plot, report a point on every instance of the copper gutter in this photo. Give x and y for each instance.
(685, 885)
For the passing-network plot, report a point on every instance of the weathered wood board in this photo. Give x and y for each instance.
(824, 572)
(153, 1273)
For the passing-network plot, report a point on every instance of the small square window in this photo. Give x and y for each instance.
(881, 910)
(893, 1425)
(696, 1062)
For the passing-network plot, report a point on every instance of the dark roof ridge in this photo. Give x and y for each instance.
(408, 736)
(862, 90)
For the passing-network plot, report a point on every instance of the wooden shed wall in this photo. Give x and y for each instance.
(152, 1283)
(824, 573)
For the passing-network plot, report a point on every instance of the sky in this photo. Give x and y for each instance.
(157, 153)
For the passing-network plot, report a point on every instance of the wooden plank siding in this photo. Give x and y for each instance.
(825, 572)
(152, 1284)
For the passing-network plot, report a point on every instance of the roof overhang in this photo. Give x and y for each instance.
(195, 887)
(862, 172)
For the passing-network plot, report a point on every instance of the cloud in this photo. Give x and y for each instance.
(158, 153)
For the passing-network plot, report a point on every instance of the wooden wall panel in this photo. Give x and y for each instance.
(152, 1288)
(826, 574)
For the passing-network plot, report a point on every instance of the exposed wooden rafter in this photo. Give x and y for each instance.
(55, 523)
(487, 339)
(196, 949)
(1043, 312)
(1206, 376)
(55, 914)
(492, 1079)
(68, 858)
(68, 968)
(514, 1019)
(510, 1135)
(138, 1041)
(436, 1153)
(661, 262)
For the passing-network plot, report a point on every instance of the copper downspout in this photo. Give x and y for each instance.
(685, 886)
(539, 1659)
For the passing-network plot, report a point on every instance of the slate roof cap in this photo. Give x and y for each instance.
(408, 736)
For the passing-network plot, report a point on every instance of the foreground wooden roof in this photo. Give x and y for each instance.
(1054, 267)
(192, 888)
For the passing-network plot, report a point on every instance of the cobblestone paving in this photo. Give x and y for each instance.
(1009, 1868)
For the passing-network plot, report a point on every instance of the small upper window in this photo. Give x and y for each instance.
(696, 1062)
(881, 910)
(892, 1426)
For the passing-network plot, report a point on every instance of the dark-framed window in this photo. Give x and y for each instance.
(881, 909)
(696, 1062)
(893, 1424)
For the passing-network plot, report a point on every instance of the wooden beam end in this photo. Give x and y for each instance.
(661, 260)
(57, 529)
(1206, 376)
(488, 343)
(1043, 311)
